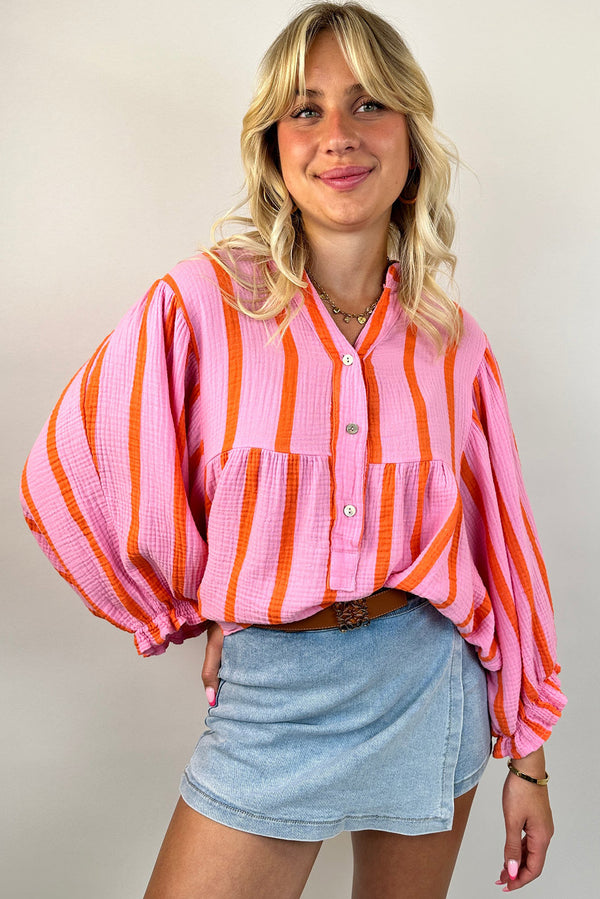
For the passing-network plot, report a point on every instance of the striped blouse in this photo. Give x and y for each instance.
(192, 473)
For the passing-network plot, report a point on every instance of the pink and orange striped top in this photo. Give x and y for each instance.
(190, 473)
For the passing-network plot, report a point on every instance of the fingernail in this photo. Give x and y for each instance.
(210, 695)
(513, 868)
(498, 883)
(506, 890)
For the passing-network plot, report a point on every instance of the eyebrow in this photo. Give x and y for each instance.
(353, 89)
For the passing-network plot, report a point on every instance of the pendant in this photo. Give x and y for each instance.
(362, 319)
(347, 318)
(336, 310)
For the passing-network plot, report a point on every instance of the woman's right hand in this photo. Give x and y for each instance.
(212, 661)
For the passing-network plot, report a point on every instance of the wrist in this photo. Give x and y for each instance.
(539, 781)
(533, 764)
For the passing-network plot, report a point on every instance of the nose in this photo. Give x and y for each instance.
(339, 133)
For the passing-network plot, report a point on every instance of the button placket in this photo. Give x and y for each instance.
(350, 470)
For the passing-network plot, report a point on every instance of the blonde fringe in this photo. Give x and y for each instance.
(420, 235)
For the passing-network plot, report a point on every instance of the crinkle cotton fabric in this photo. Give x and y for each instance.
(191, 472)
(314, 732)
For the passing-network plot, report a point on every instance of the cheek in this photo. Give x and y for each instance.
(292, 152)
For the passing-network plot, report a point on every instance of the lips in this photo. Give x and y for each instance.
(345, 177)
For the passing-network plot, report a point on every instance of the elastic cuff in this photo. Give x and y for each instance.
(535, 721)
(174, 625)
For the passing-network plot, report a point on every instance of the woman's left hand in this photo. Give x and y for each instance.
(526, 807)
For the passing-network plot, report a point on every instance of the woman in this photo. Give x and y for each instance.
(342, 508)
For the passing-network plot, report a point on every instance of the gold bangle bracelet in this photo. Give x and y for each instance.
(540, 781)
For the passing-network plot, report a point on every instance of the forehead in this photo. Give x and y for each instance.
(326, 54)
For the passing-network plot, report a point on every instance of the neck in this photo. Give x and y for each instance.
(351, 270)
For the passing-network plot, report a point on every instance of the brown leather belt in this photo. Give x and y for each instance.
(347, 615)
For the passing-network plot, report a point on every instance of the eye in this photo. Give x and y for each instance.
(370, 105)
(304, 112)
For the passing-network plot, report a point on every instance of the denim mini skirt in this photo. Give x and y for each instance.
(317, 732)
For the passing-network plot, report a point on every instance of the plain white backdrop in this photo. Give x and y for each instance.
(121, 125)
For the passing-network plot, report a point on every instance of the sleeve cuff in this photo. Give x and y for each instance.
(537, 716)
(171, 626)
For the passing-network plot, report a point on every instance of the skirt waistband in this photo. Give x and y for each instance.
(347, 615)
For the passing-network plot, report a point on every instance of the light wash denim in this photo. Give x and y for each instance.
(316, 732)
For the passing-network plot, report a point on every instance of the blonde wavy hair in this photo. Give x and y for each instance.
(420, 234)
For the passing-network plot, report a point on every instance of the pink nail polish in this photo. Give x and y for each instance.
(506, 890)
(513, 869)
(498, 883)
(210, 695)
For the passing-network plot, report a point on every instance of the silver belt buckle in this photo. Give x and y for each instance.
(352, 614)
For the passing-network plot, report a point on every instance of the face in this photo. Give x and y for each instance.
(344, 157)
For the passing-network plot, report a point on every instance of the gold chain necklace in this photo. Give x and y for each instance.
(361, 317)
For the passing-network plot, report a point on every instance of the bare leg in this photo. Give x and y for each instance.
(395, 866)
(201, 859)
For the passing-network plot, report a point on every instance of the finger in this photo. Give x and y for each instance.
(212, 661)
(512, 847)
(533, 858)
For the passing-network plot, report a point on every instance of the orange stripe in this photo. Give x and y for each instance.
(449, 363)
(169, 327)
(478, 411)
(475, 421)
(452, 569)
(538, 554)
(320, 326)
(421, 422)
(477, 615)
(135, 423)
(480, 408)
(88, 397)
(480, 613)
(386, 525)
(179, 514)
(289, 388)
(492, 653)
(422, 432)
(461, 625)
(245, 527)
(194, 396)
(532, 694)
(235, 351)
(329, 595)
(327, 341)
(181, 306)
(489, 358)
(535, 727)
(335, 425)
(520, 564)
(434, 550)
(207, 500)
(196, 456)
(74, 511)
(196, 497)
(497, 753)
(286, 546)
(502, 588)
(415, 539)
(37, 526)
(499, 711)
(374, 452)
(376, 323)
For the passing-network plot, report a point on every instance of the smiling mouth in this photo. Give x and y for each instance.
(345, 177)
